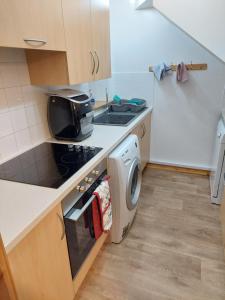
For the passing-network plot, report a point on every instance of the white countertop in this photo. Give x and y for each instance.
(22, 206)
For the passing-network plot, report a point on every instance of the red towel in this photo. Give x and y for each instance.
(102, 209)
(96, 219)
(104, 204)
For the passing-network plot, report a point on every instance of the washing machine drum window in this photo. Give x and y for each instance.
(133, 185)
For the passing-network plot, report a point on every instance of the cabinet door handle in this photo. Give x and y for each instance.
(143, 131)
(98, 62)
(28, 41)
(93, 63)
(63, 226)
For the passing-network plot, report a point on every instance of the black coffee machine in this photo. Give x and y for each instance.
(70, 115)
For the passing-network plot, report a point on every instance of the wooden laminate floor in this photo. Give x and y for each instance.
(173, 251)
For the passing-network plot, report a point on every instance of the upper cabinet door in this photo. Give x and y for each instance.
(101, 38)
(80, 57)
(32, 24)
(87, 56)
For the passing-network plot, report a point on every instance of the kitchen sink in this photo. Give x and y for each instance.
(114, 118)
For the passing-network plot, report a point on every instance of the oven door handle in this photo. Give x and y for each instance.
(78, 212)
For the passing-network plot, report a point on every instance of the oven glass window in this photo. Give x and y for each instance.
(80, 238)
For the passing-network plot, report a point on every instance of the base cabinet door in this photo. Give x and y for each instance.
(40, 262)
(7, 288)
(145, 141)
(143, 132)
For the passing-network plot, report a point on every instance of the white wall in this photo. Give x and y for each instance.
(185, 115)
(202, 19)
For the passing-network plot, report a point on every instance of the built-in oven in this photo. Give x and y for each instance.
(78, 218)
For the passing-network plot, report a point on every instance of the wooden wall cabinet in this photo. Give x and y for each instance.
(143, 131)
(87, 56)
(40, 263)
(7, 288)
(32, 24)
(101, 38)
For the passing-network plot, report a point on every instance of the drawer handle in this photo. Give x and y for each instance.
(98, 65)
(79, 212)
(63, 226)
(93, 63)
(28, 41)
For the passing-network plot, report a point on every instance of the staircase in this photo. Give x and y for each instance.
(203, 20)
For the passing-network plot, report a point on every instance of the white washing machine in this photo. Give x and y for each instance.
(218, 164)
(124, 168)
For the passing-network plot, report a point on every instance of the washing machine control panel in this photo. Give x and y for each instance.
(125, 155)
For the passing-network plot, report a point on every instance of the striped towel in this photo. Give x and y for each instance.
(104, 203)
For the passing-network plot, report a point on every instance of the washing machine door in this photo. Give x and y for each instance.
(133, 184)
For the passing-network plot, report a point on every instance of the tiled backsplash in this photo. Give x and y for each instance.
(23, 108)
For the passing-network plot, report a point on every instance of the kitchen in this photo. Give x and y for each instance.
(176, 232)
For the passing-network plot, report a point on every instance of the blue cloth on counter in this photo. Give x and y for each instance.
(161, 70)
(135, 101)
(117, 99)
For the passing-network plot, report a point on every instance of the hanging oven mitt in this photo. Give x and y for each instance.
(102, 194)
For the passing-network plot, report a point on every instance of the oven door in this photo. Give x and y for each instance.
(79, 232)
(133, 185)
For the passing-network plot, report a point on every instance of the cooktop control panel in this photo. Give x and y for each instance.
(83, 186)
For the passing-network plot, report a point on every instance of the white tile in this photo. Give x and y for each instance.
(23, 139)
(1, 80)
(22, 70)
(40, 95)
(9, 74)
(8, 147)
(12, 55)
(47, 133)
(32, 115)
(42, 113)
(29, 95)
(3, 102)
(5, 125)
(14, 98)
(39, 133)
(19, 119)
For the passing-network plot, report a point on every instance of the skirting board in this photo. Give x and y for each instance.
(181, 165)
(178, 169)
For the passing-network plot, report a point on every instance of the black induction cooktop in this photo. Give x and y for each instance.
(47, 165)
